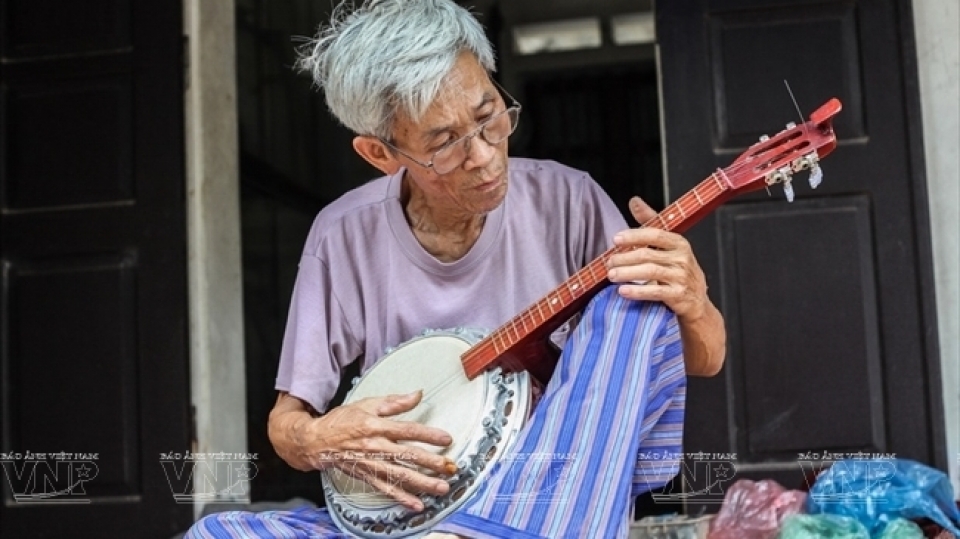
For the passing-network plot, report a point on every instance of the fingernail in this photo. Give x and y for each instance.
(618, 238)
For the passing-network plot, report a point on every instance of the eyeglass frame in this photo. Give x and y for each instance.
(477, 131)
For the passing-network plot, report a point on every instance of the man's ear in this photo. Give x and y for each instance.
(376, 153)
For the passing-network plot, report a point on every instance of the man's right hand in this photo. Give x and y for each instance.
(361, 440)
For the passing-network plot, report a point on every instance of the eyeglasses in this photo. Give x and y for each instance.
(493, 130)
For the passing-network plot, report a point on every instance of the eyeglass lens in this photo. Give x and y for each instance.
(493, 132)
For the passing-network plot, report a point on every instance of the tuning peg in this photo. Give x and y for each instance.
(764, 138)
(788, 188)
(816, 176)
(791, 125)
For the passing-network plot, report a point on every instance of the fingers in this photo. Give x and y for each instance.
(362, 432)
(397, 404)
(647, 256)
(409, 455)
(391, 405)
(651, 291)
(650, 237)
(398, 482)
(641, 211)
(404, 430)
(647, 272)
(660, 267)
(407, 431)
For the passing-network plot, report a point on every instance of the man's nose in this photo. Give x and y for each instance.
(479, 151)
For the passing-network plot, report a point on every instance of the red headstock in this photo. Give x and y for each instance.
(775, 159)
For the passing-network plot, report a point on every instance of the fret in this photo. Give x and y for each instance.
(575, 287)
(594, 278)
(717, 179)
(530, 316)
(663, 224)
(498, 342)
(696, 193)
(540, 310)
(670, 215)
(553, 302)
(680, 209)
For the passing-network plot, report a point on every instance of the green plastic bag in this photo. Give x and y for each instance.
(901, 528)
(822, 527)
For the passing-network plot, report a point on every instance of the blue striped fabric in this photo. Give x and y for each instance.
(599, 436)
(304, 523)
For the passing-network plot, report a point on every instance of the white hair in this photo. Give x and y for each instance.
(388, 56)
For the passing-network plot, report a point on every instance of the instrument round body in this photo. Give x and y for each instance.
(483, 416)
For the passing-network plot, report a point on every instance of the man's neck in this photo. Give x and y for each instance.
(448, 235)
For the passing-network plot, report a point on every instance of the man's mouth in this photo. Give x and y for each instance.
(490, 184)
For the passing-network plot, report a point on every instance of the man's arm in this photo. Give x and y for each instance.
(704, 342)
(287, 428)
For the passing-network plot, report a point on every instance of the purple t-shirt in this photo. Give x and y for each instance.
(365, 283)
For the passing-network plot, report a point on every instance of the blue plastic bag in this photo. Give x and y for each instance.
(876, 492)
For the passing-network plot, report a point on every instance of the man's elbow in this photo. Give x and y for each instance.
(281, 431)
(709, 364)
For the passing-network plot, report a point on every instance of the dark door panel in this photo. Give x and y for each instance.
(829, 301)
(93, 316)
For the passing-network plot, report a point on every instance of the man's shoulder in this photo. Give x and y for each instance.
(547, 181)
(364, 202)
(374, 192)
(534, 169)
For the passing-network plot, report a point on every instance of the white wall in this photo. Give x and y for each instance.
(938, 48)
(217, 369)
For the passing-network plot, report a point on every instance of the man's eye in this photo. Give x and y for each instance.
(485, 117)
(442, 144)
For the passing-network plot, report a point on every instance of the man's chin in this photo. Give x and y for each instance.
(493, 198)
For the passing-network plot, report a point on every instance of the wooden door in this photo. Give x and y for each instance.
(93, 317)
(829, 301)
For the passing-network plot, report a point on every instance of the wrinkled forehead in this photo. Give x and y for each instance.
(462, 93)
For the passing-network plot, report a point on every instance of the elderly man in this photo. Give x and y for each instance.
(458, 233)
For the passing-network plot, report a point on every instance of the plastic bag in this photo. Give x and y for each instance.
(901, 529)
(875, 492)
(822, 527)
(755, 510)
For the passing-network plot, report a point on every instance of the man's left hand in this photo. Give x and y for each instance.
(661, 267)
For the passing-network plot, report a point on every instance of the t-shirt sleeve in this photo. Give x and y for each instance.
(601, 220)
(318, 341)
